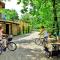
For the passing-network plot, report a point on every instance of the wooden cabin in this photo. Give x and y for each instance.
(10, 27)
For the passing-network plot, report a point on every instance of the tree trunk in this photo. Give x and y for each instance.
(55, 17)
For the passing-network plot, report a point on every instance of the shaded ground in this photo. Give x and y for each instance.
(27, 50)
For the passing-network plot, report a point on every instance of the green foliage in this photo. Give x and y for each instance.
(42, 13)
(10, 14)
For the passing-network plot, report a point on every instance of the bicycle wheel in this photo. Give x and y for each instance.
(37, 41)
(12, 46)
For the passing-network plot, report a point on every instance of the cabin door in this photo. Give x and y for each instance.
(7, 28)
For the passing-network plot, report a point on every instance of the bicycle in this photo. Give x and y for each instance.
(40, 41)
(9, 44)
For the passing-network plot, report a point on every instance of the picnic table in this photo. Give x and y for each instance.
(55, 48)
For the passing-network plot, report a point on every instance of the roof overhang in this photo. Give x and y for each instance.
(2, 5)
